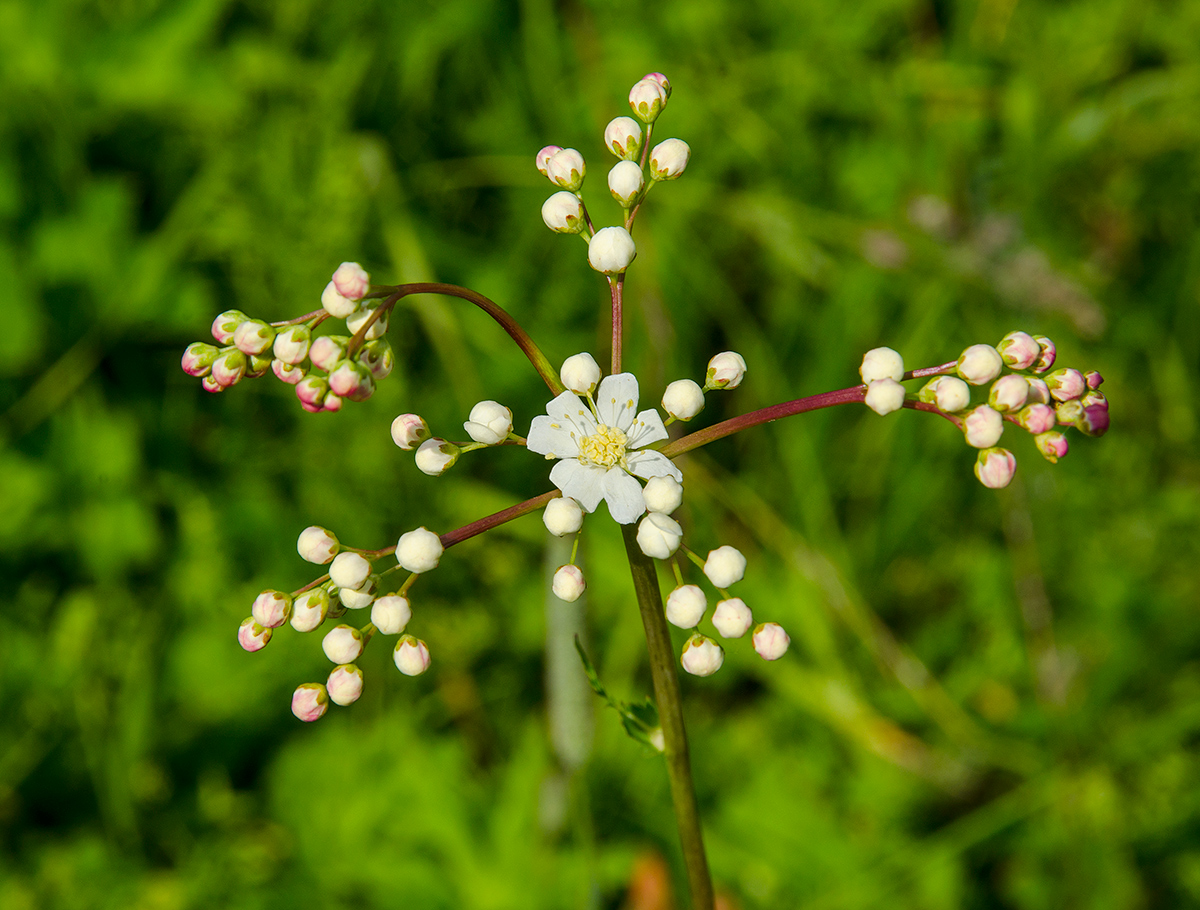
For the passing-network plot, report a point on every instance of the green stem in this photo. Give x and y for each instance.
(670, 715)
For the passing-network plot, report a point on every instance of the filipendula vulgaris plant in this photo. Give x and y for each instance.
(601, 447)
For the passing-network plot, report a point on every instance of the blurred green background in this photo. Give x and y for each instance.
(992, 700)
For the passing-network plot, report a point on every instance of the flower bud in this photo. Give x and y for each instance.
(1068, 413)
(544, 156)
(881, 363)
(335, 304)
(419, 550)
(662, 494)
(328, 351)
(983, 427)
(580, 373)
(725, 566)
(732, 618)
(1019, 350)
(1093, 379)
(949, 393)
(625, 182)
(884, 396)
(378, 357)
(309, 610)
(211, 385)
(623, 136)
(563, 516)
(287, 372)
(252, 636)
(349, 570)
(361, 597)
(271, 609)
(1094, 421)
(610, 250)
(228, 367)
(253, 337)
(668, 159)
(686, 606)
(198, 359)
(351, 280)
(568, 583)
(1066, 385)
(662, 80)
(411, 656)
(567, 169)
(725, 371)
(1039, 392)
(1048, 353)
(647, 98)
(436, 456)
(226, 324)
(342, 644)
(1037, 418)
(310, 701)
(1094, 399)
(257, 366)
(770, 641)
(391, 613)
(995, 468)
(980, 364)
(659, 535)
(312, 392)
(489, 423)
(563, 212)
(1008, 393)
(356, 321)
(353, 381)
(316, 545)
(1053, 445)
(683, 399)
(332, 403)
(408, 430)
(345, 685)
(702, 656)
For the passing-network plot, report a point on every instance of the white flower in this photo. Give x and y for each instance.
(702, 656)
(391, 613)
(419, 550)
(436, 456)
(562, 516)
(568, 583)
(271, 609)
(342, 644)
(725, 370)
(770, 641)
(662, 494)
(563, 212)
(668, 159)
(623, 136)
(567, 169)
(316, 545)
(490, 423)
(349, 570)
(983, 427)
(686, 606)
(351, 280)
(309, 702)
(598, 447)
(884, 396)
(408, 430)
(980, 364)
(611, 250)
(732, 618)
(335, 304)
(309, 610)
(659, 535)
(683, 399)
(625, 181)
(411, 656)
(345, 684)
(881, 363)
(725, 566)
(580, 373)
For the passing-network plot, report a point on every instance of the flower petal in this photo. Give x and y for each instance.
(652, 464)
(647, 428)
(624, 496)
(554, 440)
(616, 400)
(569, 409)
(582, 482)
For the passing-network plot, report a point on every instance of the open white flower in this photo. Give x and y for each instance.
(598, 446)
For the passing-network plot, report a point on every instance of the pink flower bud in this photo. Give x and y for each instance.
(411, 656)
(1048, 352)
(568, 584)
(1092, 399)
(312, 391)
(309, 609)
(253, 337)
(980, 364)
(685, 606)
(1037, 418)
(198, 359)
(544, 156)
(351, 280)
(770, 641)
(327, 351)
(317, 545)
(732, 618)
(228, 367)
(409, 430)
(1052, 445)
(623, 136)
(1093, 379)
(1094, 421)
(1039, 392)
(345, 684)
(1019, 350)
(292, 343)
(1066, 385)
(310, 701)
(335, 304)
(352, 380)
(252, 636)
(566, 168)
(271, 609)
(647, 98)
(226, 324)
(391, 613)
(211, 385)
(995, 468)
(1008, 393)
(983, 427)
(342, 644)
(287, 372)
(702, 656)
(332, 403)
(663, 81)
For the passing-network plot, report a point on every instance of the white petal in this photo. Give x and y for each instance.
(647, 428)
(568, 408)
(616, 400)
(652, 464)
(624, 496)
(582, 482)
(549, 437)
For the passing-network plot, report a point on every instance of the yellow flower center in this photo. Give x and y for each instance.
(605, 447)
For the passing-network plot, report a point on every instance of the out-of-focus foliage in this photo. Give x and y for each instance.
(992, 699)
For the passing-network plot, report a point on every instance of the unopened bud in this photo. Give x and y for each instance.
(683, 399)
(211, 385)
(252, 636)
(309, 609)
(563, 516)
(356, 321)
(1037, 418)
(623, 136)
(310, 701)
(1093, 399)
(662, 80)
(351, 280)
(287, 372)
(732, 618)
(1052, 445)
(662, 494)
(647, 98)
(566, 168)
(980, 364)
(685, 606)
(228, 367)
(611, 250)
(489, 423)
(881, 363)
(1008, 393)
(568, 584)
(198, 359)
(1066, 385)
(1039, 392)
(271, 609)
(563, 212)
(949, 393)
(702, 656)
(659, 535)
(770, 641)
(1094, 421)
(669, 159)
(725, 371)
(352, 380)
(226, 324)
(327, 351)
(983, 427)
(411, 656)
(1019, 350)
(253, 337)
(342, 644)
(312, 392)
(345, 684)
(317, 545)
(1047, 355)
(580, 373)
(543, 157)
(257, 366)
(409, 430)
(361, 597)
(995, 468)
(884, 396)
(436, 456)
(625, 182)
(391, 613)
(335, 304)
(1070, 412)
(419, 550)
(378, 357)
(725, 566)
(1093, 379)
(332, 403)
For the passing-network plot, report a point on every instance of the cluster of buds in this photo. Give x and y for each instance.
(1021, 391)
(489, 424)
(325, 370)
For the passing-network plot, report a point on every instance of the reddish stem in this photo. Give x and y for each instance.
(616, 286)
(947, 367)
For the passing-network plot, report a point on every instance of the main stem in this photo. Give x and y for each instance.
(670, 715)
(616, 287)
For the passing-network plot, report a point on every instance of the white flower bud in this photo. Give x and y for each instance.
(881, 363)
(356, 321)
(345, 684)
(335, 304)
(662, 494)
(668, 159)
(408, 430)
(623, 136)
(349, 570)
(686, 606)
(980, 364)
(563, 516)
(228, 367)
(568, 583)
(419, 550)
(884, 396)
(411, 656)
(580, 373)
(271, 609)
(544, 155)
(732, 618)
(949, 393)
(490, 423)
(659, 535)
(391, 613)
(770, 641)
(610, 250)
(436, 456)
(995, 468)
(1019, 350)
(198, 359)
(378, 357)
(683, 399)
(983, 427)
(310, 701)
(342, 644)
(563, 212)
(252, 636)
(287, 372)
(362, 596)
(316, 545)
(327, 351)
(1008, 393)
(725, 566)
(725, 371)
(702, 656)
(662, 80)
(351, 280)
(309, 610)
(226, 324)
(567, 169)
(253, 336)
(1047, 356)
(647, 98)
(625, 182)
(1039, 392)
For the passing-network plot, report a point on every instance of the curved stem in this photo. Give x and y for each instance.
(670, 715)
(616, 286)
(361, 335)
